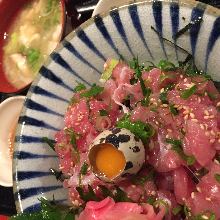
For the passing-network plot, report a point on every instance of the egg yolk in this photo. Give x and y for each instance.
(109, 161)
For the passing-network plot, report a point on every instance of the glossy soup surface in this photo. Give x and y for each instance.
(33, 35)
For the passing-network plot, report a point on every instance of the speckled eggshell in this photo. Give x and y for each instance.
(125, 141)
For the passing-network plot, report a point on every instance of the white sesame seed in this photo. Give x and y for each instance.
(133, 186)
(202, 126)
(206, 117)
(208, 199)
(165, 105)
(212, 141)
(181, 76)
(216, 161)
(186, 112)
(206, 112)
(169, 130)
(218, 104)
(205, 217)
(192, 115)
(211, 116)
(194, 119)
(218, 140)
(186, 117)
(167, 136)
(212, 132)
(185, 80)
(162, 90)
(153, 193)
(198, 189)
(151, 99)
(156, 122)
(199, 99)
(207, 133)
(193, 195)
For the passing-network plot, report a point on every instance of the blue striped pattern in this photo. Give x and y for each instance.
(22, 155)
(72, 49)
(41, 108)
(194, 31)
(40, 91)
(82, 60)
(120, 28)
(52, 77)
(31, 174)
(34, 122)
(214, 36)
(157, 12)
(174, 13)
(59, 60)
(86, 40)
(103, 30)
(25, 193)
(137, 25)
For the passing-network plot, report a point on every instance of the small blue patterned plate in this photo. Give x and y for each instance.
(126, 32)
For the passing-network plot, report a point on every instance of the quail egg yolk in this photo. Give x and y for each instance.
(110, 162)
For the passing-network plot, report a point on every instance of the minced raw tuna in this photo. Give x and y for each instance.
(181, 174)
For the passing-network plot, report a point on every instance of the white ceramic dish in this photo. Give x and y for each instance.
(10, 110)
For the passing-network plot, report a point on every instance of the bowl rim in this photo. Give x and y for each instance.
(210, 10)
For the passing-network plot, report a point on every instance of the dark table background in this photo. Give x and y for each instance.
(74, 19)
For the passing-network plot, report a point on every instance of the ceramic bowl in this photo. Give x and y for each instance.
(126, 32)
(7, 19)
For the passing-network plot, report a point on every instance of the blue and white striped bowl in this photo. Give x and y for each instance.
(125, 31)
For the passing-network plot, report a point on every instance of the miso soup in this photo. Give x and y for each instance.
(33, 35)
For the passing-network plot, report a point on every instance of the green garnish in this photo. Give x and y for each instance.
(73, 136)
(163, 95)
(134, 64)
(103, 112)
(79, 87)
(176, 210)
(84, 169)
(121, 196)
(163, 98)
(207, 215)
(161, 202)
(106, 192)
(188, 92)
(108, 71)
(164, 76)
(177, 147)
(186, 211)
(151, 200)
(166, 65)
(49, 142)
(140, 129)
(173, 110)
(93, 91)
(217, 177)
(87, 196)
(142, 180)
(49, 211)
(58, 174)
(33, 57)
(213, 97)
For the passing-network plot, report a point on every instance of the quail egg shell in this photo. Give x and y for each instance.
(123, 141)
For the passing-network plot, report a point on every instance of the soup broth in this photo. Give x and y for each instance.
(34, 34)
